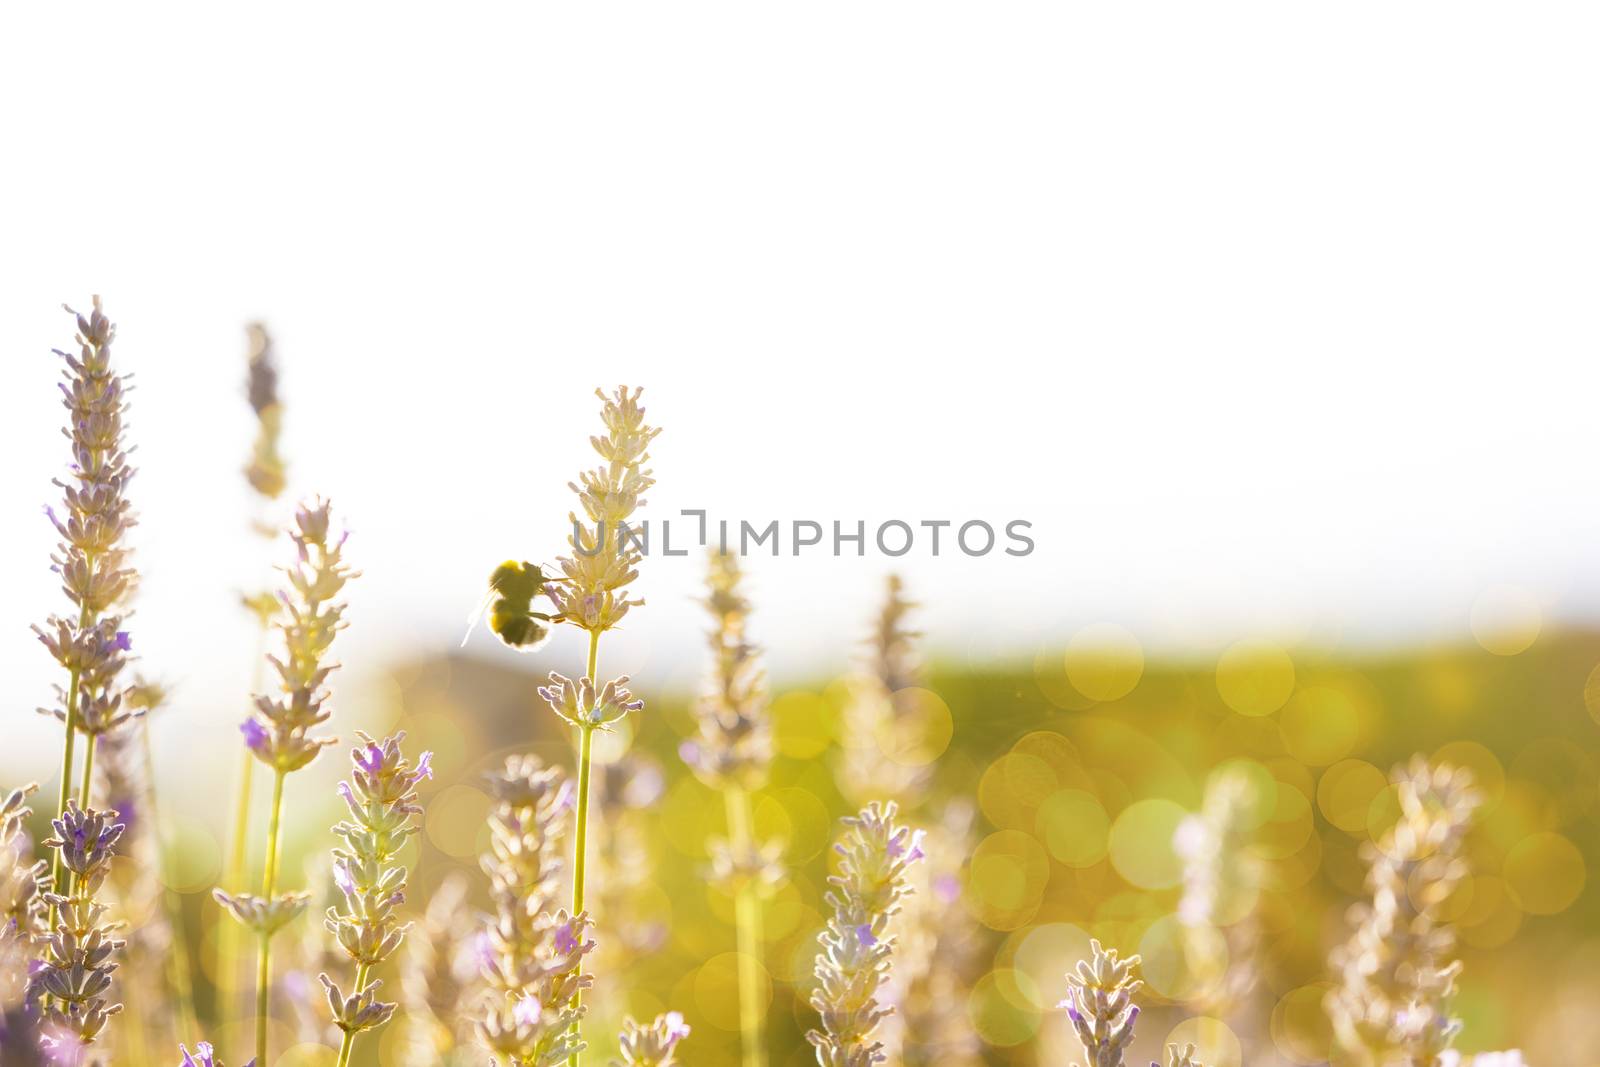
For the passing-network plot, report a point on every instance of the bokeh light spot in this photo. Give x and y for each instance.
(919, 730)
(1545, 873)
(716, 990)
(1345, 793)
(193, 857)
(1488, 777)
(1255, 677)
(1591, 693)
(1300, 1027)
(996, 1010)
(1216, 1045)
(1506, 620)
(1320, 725)
(1179, 960)
(801, 725)
(1104, 661)
(1006, 879)
(1074, 827)
(455, 818)
(1141, 844)
(1047, 952)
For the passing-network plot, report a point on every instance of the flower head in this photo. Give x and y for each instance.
(654, 1045)
(266, 471)
(310, 619)
(579, 704)
(604, 560)
(1100, 1005)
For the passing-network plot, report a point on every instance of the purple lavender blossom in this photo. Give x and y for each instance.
(528, 1011)
(566, 937)
(255, 736)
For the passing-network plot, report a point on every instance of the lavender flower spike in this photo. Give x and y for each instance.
(857, 950)
(1100, 1005)
(382, 799)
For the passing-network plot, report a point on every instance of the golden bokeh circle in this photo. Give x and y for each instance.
(1255, 677)
(1506, 620)
(801, 724)
(1006, 879)
(995, 1010)
(1591, 693)
(920, 729)
(455, 820)
(1104, 661)
(1300, 1028)
(1216, 1045)
(1345, 793)
(1488, 776)
(716, 990)
(1544, 873)
(1141, 843)
(1320, 725)
(1074, 827)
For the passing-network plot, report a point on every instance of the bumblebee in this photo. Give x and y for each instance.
(512, 589)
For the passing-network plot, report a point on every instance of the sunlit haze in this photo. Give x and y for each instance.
(1305, 349)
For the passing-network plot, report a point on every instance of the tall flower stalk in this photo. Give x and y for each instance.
(279, 732)
(382, 798)
(857, 949)
(1396, 974)
(267, 476)
(731, 752)
(92, 557)
(593, 594)
(532, 953)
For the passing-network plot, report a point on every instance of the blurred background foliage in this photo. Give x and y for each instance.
(1080, 767)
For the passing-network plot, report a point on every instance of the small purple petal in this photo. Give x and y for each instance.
(424, 767)
(527, 1011)
(865, 935)
(255, 735)
(677, 1029)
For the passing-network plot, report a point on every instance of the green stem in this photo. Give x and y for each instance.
(66, 777)
(269, 883)
(348, 1042)
(747, 914)
(233, 874)
(581, 831)
(88, 771)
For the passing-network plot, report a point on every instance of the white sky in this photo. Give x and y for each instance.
(1271, 318)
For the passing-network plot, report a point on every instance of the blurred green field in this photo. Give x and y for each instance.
(1077, 799)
